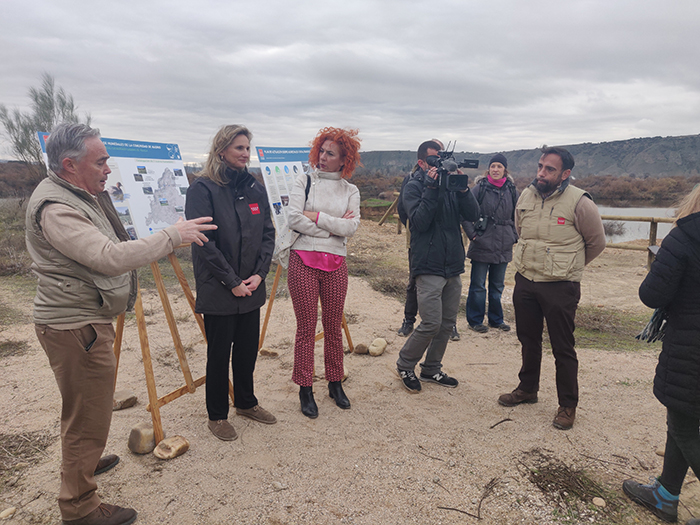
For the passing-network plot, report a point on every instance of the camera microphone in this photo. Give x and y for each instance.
(449, 165)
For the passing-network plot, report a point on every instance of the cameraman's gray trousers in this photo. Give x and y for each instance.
(438, 302)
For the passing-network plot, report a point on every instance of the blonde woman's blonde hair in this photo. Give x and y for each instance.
(215, 168)
(689, 205)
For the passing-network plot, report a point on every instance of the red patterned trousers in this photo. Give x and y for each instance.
(306, 285)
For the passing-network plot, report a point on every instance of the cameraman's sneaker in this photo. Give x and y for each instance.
(455, 334)
(441, 379)
(654, 497)
(406, 328)
(409, 380)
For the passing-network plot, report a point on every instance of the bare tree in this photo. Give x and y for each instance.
(49, 107)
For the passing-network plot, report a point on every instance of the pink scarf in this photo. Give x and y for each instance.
(498, 183)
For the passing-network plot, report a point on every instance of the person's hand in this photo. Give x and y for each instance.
(313, 215)
(253, 282)
(348, 215)
(191, 231)
(432, 173)
(241, 290)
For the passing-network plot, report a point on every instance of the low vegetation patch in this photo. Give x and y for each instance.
(614, 228)
(16, 289)
(9, 315)
(610, 329)
(381, 276)
(12, 348)
(570, 489)
(22, 450)
(371, 203)
(170, 280)
(14, 258)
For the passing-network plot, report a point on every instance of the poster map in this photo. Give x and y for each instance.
(147, 184)
(280, 167)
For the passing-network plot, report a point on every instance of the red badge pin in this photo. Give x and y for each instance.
(561, 220)
(254, 208)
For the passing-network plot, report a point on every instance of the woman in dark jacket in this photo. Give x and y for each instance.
(230, 273)
(673, 283)
(491, 244)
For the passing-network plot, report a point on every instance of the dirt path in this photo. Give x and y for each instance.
(392, 458)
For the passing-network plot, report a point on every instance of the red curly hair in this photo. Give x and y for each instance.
(347, 141)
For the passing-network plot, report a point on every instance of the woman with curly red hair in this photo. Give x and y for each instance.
(324, 208)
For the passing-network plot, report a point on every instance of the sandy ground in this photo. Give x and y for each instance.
(392, 458)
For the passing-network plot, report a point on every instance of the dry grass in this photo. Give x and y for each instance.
(570, 489)
(13, 348)
(14, 258)
(610, 329)
(22, 450)
(383, 276)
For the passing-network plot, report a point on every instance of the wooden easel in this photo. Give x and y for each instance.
(155, 402)
(390, 212)
(269, 311)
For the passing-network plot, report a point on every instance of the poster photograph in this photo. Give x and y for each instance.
(147, 185)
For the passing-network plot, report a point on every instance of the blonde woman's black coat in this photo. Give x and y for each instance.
(674, 283)
(241, 246)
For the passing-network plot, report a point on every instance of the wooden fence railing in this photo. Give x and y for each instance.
(653, 228)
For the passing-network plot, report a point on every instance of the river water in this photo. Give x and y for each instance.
(638, 230)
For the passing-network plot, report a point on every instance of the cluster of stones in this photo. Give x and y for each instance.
(375, 349)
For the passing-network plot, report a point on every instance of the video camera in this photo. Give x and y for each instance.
(445, 162)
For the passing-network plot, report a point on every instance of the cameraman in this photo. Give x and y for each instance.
(426, 149)
(436, 261)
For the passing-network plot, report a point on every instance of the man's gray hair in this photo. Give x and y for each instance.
(67, 141)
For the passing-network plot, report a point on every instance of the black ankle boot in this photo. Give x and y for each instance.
(335, 391)
(308, 405)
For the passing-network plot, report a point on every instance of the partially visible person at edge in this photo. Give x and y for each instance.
(411, 306)
(673, 283)
(324, 208)
(83, 258)
(491, 244)
(436, 262)
(560, 231)
(230, 273)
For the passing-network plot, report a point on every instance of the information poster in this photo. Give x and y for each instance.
(280, 167)
(147, 184)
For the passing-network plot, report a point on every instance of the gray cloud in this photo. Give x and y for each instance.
(491, 75)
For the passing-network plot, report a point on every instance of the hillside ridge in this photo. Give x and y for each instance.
(638, 157)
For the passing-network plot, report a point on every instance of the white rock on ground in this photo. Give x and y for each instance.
(377, 347)
(172, 447)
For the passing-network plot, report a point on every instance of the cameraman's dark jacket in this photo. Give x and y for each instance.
(495, 244)
(403, 215)
(436, 238)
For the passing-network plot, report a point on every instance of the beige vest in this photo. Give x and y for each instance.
(549, 247)
(67, 291)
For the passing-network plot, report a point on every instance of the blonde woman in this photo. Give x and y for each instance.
(673, 283)
(230, 274)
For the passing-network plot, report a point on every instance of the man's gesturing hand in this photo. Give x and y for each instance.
(191, 231)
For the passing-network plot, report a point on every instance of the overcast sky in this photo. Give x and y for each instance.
(493, 75)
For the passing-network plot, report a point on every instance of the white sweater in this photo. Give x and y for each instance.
(331, 196)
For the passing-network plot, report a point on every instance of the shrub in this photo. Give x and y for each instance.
(14, 258)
